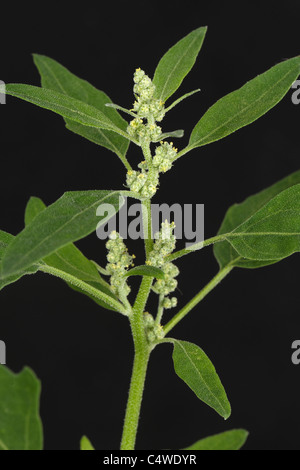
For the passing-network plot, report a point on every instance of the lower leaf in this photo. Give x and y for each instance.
(85, 444)
(229, 440)
(20, 423)
(194, 367)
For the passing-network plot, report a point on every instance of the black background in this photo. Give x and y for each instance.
(82, 354)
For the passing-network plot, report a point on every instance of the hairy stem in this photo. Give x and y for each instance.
(195, 300)
(160, 309)
(147, 225)
(136, 389)
(196, 247)
(141, 346)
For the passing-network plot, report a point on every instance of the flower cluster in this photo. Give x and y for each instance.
(163, 246)
(167, 285)
(140, 131)
(164, 156)
(143, 128)
(153, 330)
(139, 181)
(146, 107)
(119, 260)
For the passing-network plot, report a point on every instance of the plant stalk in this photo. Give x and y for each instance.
(198, 297)
(141, 346)
(134, 402)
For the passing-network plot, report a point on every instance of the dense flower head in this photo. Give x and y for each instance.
(153, 330)
(119, 260)
(168, 284)
(163, 246)
(144, 128)
(164, 156)
(139, 182)
(165, 242)
(147, 107)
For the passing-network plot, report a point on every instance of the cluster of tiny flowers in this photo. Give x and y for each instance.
(146, 107)
(167, 285)
(153, 331)
(150, 109)
(140, 131)
(119, 260)
(164, 156)
(138, 181)
(163, 246)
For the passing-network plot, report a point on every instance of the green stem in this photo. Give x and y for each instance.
(160, 310)
(183, 152)
(187, 95)
(124, 161)
(137, 383)
(195, 300)
(146, 283)
(96, 293)
(196, 247)
(147, 225)
(147, 153)
(141, 346)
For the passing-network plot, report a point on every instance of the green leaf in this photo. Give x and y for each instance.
(229, 440)
(176, 63)
(70, 260)
(85, 444)
(20, 423)
(64, 105)
(273, 232)
(70, 218)
(239, 213)
(110, 302)
(98, 290)
(33, 207)
(242, 107)
(146, 270)
(196, 370)
(5, 240)
(177, 134)
(57, 78)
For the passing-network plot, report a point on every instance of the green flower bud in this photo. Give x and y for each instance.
(169, 303)
(148, 320)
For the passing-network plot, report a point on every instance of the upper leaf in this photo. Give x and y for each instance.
(176, 63)
(57, 78)
(70, 218)
(272, 233)
(243, 106)
(64, 105)
(229, 440)
(69, 264)
(33, 207)
(239, 213)
(196, 370)
(21, 427)
(69, 258)
(5, 240)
